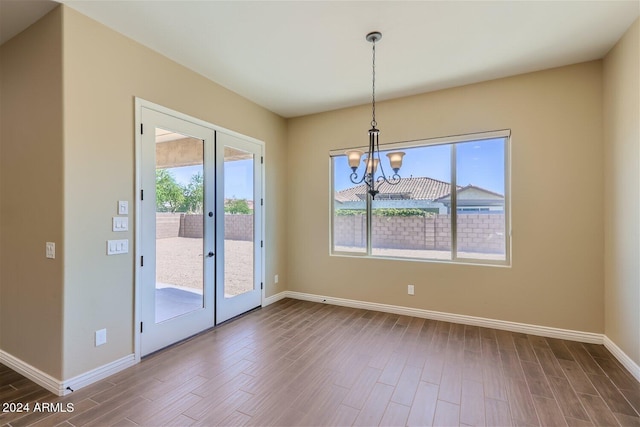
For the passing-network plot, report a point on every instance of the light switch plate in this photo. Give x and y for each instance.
(123, 207)
(50, 250)
(120, 223)
(101, 337)
(115, 247)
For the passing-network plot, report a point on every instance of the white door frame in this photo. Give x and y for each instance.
(139, 104)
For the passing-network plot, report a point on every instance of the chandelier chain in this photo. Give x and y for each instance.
(373, 92)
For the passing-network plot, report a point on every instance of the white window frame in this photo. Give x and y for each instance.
(447, 140)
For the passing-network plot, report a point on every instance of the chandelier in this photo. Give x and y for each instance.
(372, 159)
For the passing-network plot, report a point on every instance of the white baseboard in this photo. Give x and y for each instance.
(622, 357)
(274, 298)
(62, 388)
(99, 373)
(545, 331)
(34, 374)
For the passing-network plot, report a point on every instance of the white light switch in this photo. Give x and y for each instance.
(123, 207)
(50, 250)
(115, 247)
(120, 223)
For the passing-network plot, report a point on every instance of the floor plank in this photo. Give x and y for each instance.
(423, 411)
(549, 413)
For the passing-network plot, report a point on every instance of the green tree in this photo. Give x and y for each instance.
(194, 194)
(169, 194)
(237, 206)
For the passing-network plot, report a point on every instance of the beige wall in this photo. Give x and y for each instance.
(67, 153)
(622, 193)
(104, 71)
(31, 196)
(557, 275)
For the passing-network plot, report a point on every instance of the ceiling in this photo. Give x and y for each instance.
(301, 57)
(16, 15)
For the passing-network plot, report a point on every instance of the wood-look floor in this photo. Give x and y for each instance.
(298, 363)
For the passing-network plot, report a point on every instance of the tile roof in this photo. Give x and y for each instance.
(416, 188)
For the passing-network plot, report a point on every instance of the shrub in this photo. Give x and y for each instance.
(387, 212)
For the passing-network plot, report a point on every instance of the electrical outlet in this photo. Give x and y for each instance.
(101, 337)
(275, 278)
(410, 290)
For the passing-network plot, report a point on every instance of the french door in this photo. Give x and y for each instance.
(239, 224)
(200, 225)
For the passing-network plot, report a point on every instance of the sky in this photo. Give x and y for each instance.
(480, 163)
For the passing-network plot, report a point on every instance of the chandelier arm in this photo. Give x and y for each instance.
(354, 178)
(394, 180)
(383, 175)
(368, 179)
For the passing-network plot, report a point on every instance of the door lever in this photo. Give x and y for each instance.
(210, 254)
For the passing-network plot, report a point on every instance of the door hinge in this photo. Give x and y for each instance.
(261, 285)
(141, 194)
(142, 261)
(261, 243)
(261, 202)
(141, 327)
(141, 129)
(261, 160)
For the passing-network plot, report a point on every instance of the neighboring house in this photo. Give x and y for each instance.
(475, 199)
(423, 193)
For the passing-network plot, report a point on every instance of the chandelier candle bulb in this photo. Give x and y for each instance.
(354, 157)
(372, 165)
(395, 159)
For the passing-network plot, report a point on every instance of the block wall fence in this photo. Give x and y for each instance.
(237, 227)
(482, 233)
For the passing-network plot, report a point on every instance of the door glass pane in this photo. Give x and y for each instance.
(480, 199)
(238, 222)
(179, 225)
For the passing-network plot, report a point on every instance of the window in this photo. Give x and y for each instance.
(451, 203)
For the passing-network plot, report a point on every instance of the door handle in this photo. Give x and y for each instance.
(210, 254)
